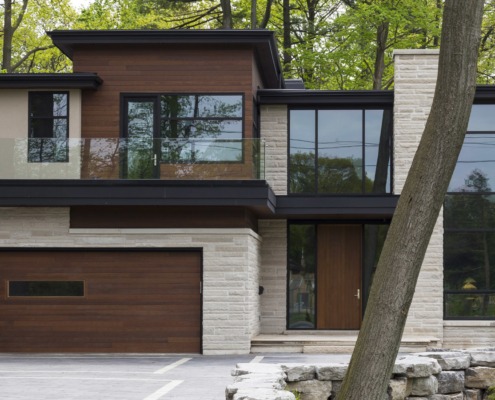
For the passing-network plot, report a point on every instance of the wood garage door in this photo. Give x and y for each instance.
(133, 301)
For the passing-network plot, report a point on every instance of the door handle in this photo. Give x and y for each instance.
(358, 294)
(154, 160)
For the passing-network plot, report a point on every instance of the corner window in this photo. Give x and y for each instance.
(469, 224)
(48, 127)
(340, 151)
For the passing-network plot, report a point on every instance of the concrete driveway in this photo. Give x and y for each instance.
(127, 377)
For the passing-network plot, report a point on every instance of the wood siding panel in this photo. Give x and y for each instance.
(162, 217)
(157, 69)
(135, 301)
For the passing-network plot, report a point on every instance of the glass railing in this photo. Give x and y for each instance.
(109, 158)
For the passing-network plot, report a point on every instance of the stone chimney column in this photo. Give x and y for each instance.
(415, 80)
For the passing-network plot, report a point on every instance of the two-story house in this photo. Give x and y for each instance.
(176, 194)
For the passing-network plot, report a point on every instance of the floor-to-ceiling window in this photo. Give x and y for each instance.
(469, 223)
(340, 151)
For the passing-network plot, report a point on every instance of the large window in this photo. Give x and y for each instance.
(469, 222)
(340, 151)
(48, 127)
(201, 127)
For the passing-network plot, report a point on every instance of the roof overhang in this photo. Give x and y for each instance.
(50, 81)
(263, 42)
(371, 207)
(337, 98)
(255, 194)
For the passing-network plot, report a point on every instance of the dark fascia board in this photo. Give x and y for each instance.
(50, 81)
(484, 94)
(372, 206)
(297, 97)
(64, 193)
(262, 40)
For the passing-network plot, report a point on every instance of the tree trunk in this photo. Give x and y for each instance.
(266, 17)
(254, 21)
(381, 46)
(226, 14)
(8, 34)
(286, 40)
(9, 29)
(419, 204)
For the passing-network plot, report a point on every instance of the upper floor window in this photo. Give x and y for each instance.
(469, 223)
(48, 127)
(340, 151)
(200, 127)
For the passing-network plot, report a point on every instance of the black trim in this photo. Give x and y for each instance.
(339, 98)
(262, 41)
(63, 193)
(365, 207)
(50, 81)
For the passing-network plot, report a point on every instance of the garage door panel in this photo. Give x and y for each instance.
(126, 307)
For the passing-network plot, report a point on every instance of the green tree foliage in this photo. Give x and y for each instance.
(31, 49)
(330, 44)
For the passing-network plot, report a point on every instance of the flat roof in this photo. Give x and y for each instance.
(50, 81)
(263, 42)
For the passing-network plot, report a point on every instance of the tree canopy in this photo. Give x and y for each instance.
(331, 44)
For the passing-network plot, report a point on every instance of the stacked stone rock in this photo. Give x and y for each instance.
(438, 375)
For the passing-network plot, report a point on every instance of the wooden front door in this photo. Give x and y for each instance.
(339, 277)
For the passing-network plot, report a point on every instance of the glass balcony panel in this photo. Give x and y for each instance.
(119, 158)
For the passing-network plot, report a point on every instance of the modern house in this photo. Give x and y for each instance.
(176, 194)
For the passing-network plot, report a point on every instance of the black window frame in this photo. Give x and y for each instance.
(467, 230)
(125, 97)
(31, 126)
(357, 107)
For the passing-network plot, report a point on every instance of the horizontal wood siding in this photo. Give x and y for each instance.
(135, 301)
(162, 217)
(157, 69)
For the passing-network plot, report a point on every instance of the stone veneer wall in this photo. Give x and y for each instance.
(231, 304)
(449, 375)
(274, 127)
(273, 275)
(415, 80)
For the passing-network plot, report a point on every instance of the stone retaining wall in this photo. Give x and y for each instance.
(439, 375)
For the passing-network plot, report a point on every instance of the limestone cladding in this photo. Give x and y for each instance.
(231, 304)
(415, 79)
(274, 132)
(273, 275)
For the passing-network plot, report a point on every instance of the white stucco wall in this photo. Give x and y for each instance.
(231, 304)
(14, 134)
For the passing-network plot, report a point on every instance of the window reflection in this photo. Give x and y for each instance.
(302, 263)
(352, 147)
(48, 127)
(482, 118)
(302, 151)
(201, 128)
(477, 153)
(340, 147)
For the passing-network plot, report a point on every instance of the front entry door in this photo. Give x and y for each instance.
(339, 277)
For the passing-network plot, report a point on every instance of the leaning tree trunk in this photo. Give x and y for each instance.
(419, 204)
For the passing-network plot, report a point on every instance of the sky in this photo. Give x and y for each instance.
(81, 3)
